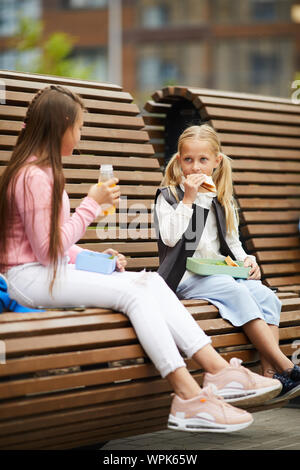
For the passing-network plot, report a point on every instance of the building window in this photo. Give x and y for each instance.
(8, 60)
(264, 68)
(156, 71)
(264, 10)
(155, 16)
(295, 13)
(80, 4)
(94, 60)
(15, 60)
(12, 10)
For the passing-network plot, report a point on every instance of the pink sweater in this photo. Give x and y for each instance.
(29, 237)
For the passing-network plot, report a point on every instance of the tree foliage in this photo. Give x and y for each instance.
(51, 55)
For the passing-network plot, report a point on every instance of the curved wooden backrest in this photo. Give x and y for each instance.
(262, 136)
(113, 133)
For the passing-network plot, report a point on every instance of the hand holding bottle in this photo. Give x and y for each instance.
(107, 174)
(107, 194)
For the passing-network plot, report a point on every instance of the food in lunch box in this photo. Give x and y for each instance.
(228, 260)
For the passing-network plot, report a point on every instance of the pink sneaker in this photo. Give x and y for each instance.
(239, 386)
(207, 412)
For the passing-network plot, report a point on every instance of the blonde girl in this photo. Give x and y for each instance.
(195, 222)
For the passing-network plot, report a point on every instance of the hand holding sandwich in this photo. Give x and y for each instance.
(194, 184)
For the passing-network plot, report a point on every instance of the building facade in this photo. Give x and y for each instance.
(236, 45)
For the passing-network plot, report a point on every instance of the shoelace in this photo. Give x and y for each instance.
(284, 378)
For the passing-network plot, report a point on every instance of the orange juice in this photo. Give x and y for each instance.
(106, 173)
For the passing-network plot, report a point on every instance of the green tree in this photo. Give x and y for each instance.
(51, 56)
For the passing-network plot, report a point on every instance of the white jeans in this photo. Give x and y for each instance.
(161, 322)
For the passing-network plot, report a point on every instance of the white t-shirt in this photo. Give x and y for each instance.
(173, 224)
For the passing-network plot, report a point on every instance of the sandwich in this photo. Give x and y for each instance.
(209, 185)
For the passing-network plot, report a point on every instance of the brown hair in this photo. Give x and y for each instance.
(51, 112)
(222, 175)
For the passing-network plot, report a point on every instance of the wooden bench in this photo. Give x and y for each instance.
(76, 378)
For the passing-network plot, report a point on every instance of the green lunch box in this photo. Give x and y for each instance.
(206, 267)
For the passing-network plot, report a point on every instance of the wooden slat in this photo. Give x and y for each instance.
(293, 287)
(69, 342)
(276, 255)
(270, 216)
(193, 92)
(256, 140)
(266, 203)
(274, 242)
(106, 148)
(118, 162)
(138, 264)
(284, 281)
(261, 152)
(155, 108)
(78, 358)
(62, 325)
(143, 191)
(34, 86)
(281, 268)
(202, 100)
(124, 176)
(260, 190)
(54, 79)
(270, 178)
(132, 233)
(104, 120)
(251, 116)
(13, 98)
(270, 229)
(261, 128)
(132, 205)
(74, 380)
(261, 166)
(127, 248)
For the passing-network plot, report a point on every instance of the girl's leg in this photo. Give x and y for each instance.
(131, 293)
(237, 383)
(263, 339)
(183, 383)
(127, 292)
(184, 328)
(210, 360)
(267, 369)
(272, 359)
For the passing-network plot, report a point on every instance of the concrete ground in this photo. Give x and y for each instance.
(277, 429)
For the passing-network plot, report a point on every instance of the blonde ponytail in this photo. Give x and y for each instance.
(222, 177)
(173, 175)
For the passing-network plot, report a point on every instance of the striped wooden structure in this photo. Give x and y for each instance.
(74, 378)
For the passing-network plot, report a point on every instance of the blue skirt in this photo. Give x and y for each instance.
(238, 300)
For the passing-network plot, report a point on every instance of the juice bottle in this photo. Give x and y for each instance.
(106, 173)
